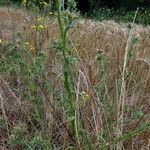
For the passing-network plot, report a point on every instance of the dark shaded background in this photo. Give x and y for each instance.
(88, 5)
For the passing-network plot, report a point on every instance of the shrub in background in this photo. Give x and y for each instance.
(5, 2)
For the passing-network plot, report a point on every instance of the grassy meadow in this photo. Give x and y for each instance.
(73, 85)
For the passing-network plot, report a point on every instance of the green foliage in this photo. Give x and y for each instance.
(117, 4)
(2, 122)
(38, 141)
(16, 136)
(119, 10)
(5, 2)
(25, 69)
(17, 61)
(94, 4)
(121, 15)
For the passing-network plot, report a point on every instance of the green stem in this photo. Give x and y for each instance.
(67, 82)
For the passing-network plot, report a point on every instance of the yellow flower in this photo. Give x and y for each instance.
(33, 27)
(24, 1)
(40, 19)
(45, 4)
(27, 43)
(32, 49)
(41, 27)
(50, 13)
(85, 94)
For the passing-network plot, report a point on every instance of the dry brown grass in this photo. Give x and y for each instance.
(87, 39)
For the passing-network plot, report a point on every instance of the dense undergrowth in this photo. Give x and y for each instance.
(121, 12)
(71, 83)
(121, 15)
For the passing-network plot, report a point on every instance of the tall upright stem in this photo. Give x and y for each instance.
(64, 47)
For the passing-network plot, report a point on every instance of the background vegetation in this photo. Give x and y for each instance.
(118, 10)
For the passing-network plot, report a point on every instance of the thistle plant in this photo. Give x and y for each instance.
(66, 19)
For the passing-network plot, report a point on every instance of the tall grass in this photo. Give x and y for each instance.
(72, 84)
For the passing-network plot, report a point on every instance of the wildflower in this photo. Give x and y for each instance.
(138, 35)
(32, 49)
(1, 41)
(45, 4)
(41, 27)
(24, 1)
(50, 13)
(27, 43)
(40, 19)
(84, 94)
(84, 98)
(33, 27)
